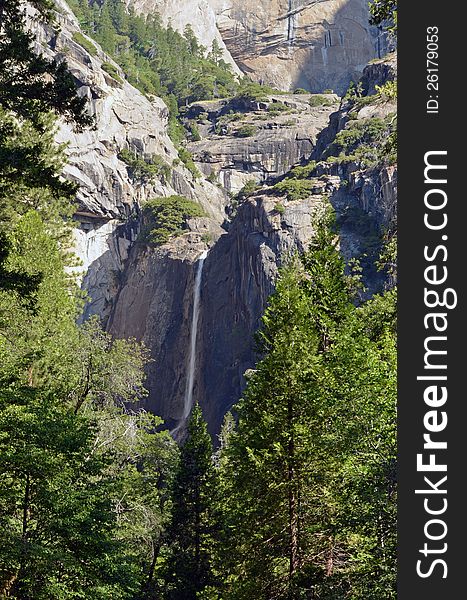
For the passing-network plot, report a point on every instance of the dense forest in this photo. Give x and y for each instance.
(296, 499)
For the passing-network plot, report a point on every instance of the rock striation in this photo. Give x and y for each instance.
(314, 44)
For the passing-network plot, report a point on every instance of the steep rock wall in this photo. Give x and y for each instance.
(109, 198)
(315, 44)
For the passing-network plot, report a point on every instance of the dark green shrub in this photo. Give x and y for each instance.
(246, 131)
(84, 43)
(320, 100)
(187, 159)
(112, 71)
(367, 141)
(251, 91)
(165, 218)
(302, 172)
(222, 124)
(294, 189)
(249, 188)
(145, 169)
(278, 107)
(194, 131)
(207, 238)
(279, 208)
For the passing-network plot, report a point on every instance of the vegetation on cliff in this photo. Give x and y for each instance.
(156, 59)
(165, 218)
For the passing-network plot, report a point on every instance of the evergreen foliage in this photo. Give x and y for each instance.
(193, 530)
(167, 217)
(308, 476)
(83, 41)
(294, 189)
(384, 13)
(30, 84)
(369, 142)
(147, 168)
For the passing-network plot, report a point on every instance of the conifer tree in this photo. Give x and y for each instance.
(31, 84)
(193, 531)
(297, 489)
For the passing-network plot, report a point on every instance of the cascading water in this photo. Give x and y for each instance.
(190, 381)
(291, 25)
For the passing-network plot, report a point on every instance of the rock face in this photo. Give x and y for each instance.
(240, 272)
(108, 195)
(281, 132)
(314, 44)
(154, 305)
(238, 277)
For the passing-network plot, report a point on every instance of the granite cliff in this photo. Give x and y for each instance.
(241, 267)
(109, 196)
(146, 291)
(313, 44)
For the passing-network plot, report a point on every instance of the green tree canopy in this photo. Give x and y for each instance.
(193, 531)
(31, 84)
(308, 476)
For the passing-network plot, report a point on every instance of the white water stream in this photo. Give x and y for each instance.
(188, 400)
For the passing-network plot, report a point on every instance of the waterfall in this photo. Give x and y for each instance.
(291, 25)
(191, 366)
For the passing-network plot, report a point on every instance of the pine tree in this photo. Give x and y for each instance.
(216, 52)
(30, 84)
(272, 459)
(300, 475)
(193, 530)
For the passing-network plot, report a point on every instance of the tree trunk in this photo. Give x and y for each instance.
(198, 535)
(16, 580)
(292, 496)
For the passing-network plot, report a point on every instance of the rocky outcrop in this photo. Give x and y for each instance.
(280, 132)
(314, 44)
(239, 276)
(378, 72)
